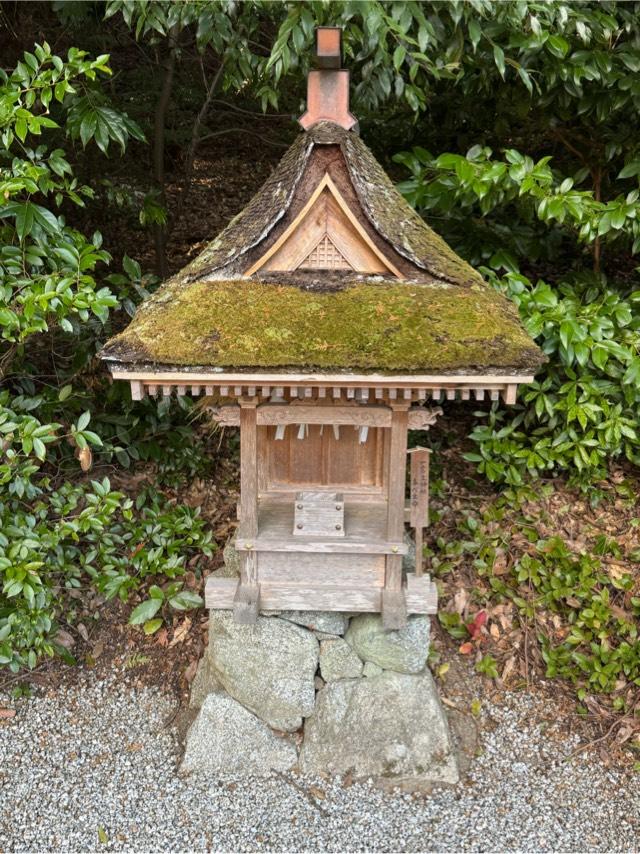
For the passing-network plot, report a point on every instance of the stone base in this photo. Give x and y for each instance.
(359, 699)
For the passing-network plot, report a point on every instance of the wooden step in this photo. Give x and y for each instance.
(420, 593)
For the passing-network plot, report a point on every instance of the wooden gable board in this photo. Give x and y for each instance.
(325, 214)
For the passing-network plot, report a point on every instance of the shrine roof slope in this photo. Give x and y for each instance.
(358, 324)
(385, 208)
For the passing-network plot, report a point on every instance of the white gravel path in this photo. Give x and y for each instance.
(93, 768)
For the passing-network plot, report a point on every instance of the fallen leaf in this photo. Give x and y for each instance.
(466, 648)
(508, 668)
(65, 639)
(190, 672)
(181, 632)
(317, 792)
(162, 638)
(102, 835)
(98, 649)
(5, 714)
(475, 626)
(500, 562)
(86, 458)
(461, 600)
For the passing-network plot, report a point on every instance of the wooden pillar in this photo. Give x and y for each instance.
(394, 608)
(246, 601)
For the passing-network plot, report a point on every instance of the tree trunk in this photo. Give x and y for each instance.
(159, 128)
(195, 139)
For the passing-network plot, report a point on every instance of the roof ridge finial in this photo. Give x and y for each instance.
(328, 85)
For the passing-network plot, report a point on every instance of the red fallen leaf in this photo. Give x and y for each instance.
(137, 549)
(466, 648)
(475, 626)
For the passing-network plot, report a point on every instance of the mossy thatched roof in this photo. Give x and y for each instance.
(363, 325)
(445, 319)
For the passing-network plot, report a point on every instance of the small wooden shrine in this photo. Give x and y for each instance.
(322, 321)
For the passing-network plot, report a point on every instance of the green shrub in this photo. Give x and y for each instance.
(583, 615)
(584, 408)
(58, 535)
(88, 534)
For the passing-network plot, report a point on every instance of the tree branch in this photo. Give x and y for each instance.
(159, 128)
(195, 137)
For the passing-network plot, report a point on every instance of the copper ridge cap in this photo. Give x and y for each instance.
(328, 85)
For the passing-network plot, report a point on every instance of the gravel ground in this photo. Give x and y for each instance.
(93, 767)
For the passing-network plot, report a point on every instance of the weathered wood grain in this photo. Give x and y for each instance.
(330, 570)
(419, 500)
(318, 514)
(320, 216)
(317, 546)
(246, 604)
(228, 378)
(248, 467)
(394, 609)
(220, 594)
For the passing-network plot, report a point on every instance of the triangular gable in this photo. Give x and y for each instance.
(325, 233)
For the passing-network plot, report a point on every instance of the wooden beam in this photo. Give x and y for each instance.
(419, 501)
(249, 467)
(318, 546)
(397, 470)
(393, 609)
(416, 381)
(420, 595)
(509, 394)
(246, 604)
(273, 415)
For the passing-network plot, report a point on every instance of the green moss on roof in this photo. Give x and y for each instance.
(365, 326)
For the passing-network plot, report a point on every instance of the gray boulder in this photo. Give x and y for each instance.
(231, 566)
(268, 667)
(330, 623)
(370, 669)
(390, 726)
(404, 650)
(338, 660)
(204, 682)
(409, 560)
(226, 738)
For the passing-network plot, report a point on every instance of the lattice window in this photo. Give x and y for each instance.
(326, 256)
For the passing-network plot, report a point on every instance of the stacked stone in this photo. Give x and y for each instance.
(319, 692)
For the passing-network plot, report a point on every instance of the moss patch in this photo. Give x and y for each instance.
(365, 326)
